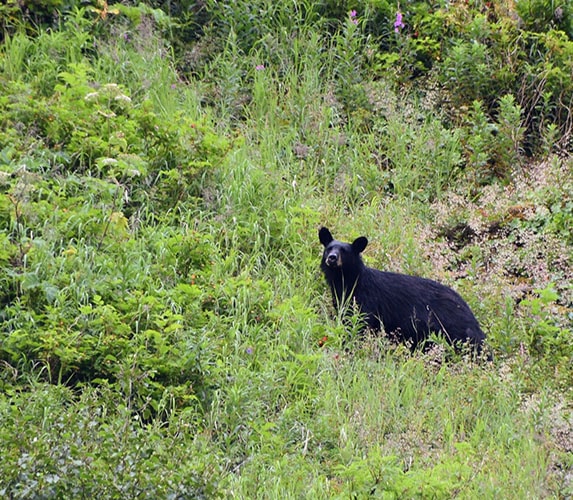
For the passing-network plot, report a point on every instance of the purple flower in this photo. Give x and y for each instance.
(398, 24)
(352, 16)
(260, 67)
(249, 350)
(173, 86)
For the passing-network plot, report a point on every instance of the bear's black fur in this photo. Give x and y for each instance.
(408, 308)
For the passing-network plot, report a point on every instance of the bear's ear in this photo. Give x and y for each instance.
(324, 236)
(359, 244)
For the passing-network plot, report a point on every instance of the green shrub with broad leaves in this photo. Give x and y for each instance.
(96, 291)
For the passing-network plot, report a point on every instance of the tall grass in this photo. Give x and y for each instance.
(398, 427)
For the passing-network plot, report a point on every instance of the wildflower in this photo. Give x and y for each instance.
(249, 350)
(260, 67)
(398, 24)
(106, 162)
(352, 16)
(112, 87)
(122, 98)
(173, 86)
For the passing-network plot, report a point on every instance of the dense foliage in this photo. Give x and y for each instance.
(164, 168)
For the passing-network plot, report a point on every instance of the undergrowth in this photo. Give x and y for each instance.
(165, 330)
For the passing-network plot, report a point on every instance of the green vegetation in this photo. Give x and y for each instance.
(164, 167)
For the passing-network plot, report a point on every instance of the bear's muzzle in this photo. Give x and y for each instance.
(333, 260)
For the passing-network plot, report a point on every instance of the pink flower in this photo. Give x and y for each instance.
(352, 15)
(260, 67)
(398, 24)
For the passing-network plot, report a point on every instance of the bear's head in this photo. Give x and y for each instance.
(339, 255)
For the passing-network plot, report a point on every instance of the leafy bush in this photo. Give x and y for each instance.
(540, 15)
(87, 308)
(98, 129)
(89, 168)
(56, 455)
(549, 337)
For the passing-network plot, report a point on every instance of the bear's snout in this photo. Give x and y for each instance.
(333, 259)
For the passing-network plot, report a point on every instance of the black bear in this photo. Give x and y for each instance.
(408, 308)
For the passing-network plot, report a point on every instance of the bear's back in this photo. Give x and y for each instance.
(412, 307)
